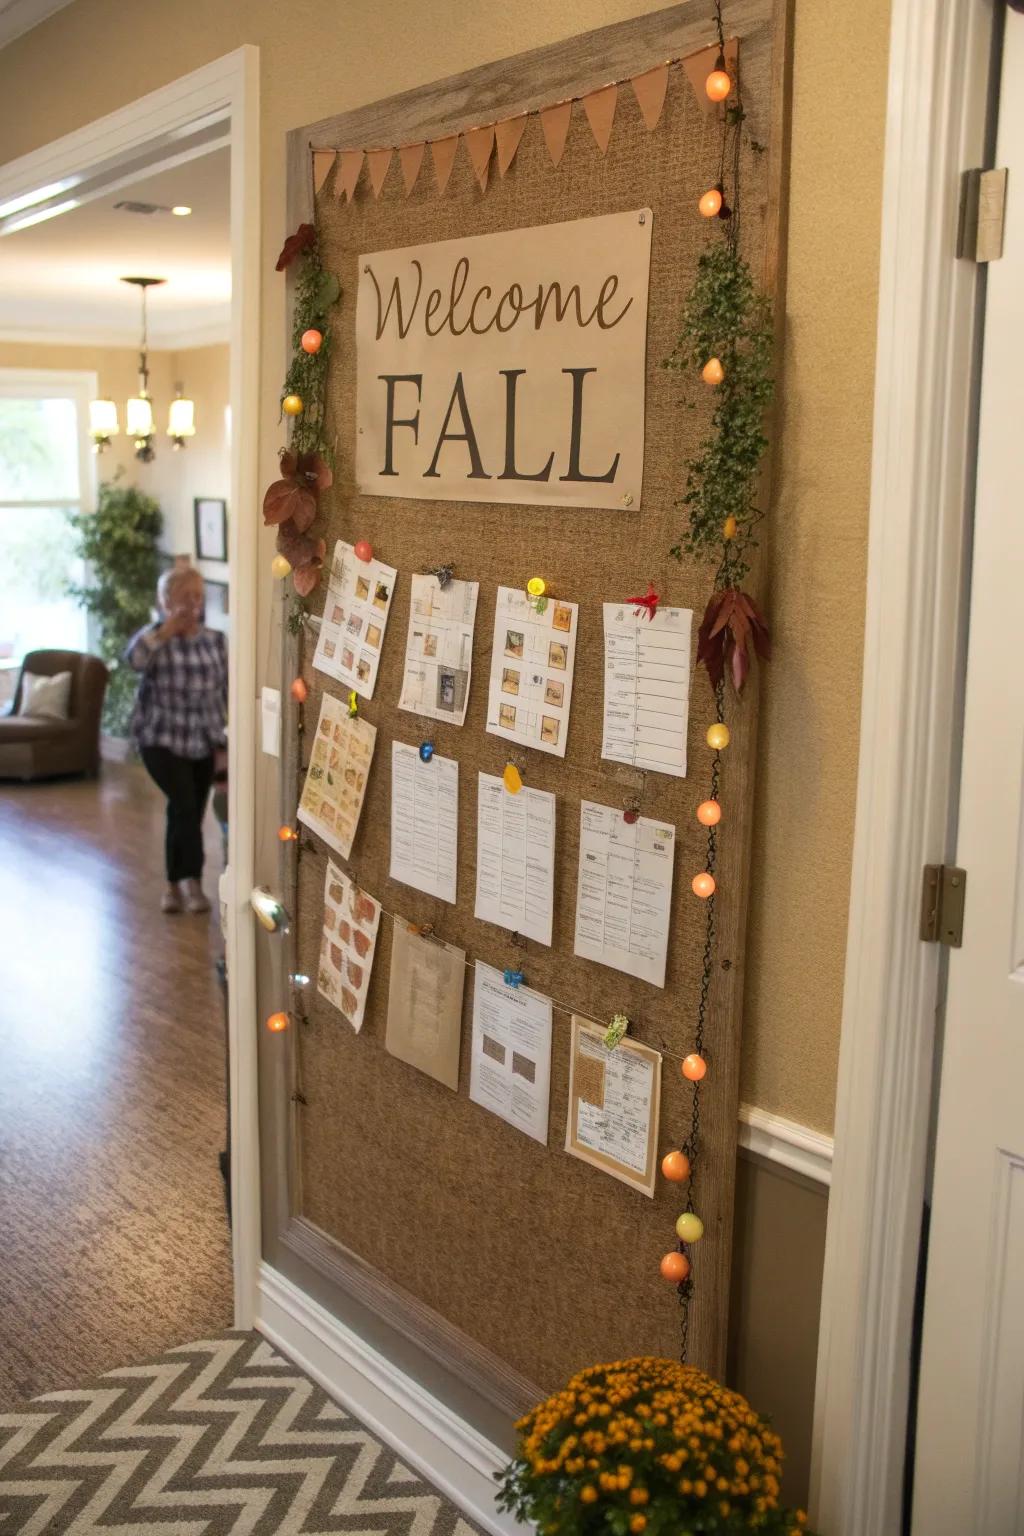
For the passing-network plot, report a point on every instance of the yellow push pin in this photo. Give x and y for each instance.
(536, 590)
(353, 704)
(512, 779)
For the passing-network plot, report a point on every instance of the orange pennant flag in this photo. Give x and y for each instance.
(555, 124)
(349, 166)
(649, 90)
(410, 158)
(443, 152)
(699, 65)
(323, 159)
(508, 135)
(480, 144)
(379, 162)
(600, 109)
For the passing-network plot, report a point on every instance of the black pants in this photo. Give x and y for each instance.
(186, 783)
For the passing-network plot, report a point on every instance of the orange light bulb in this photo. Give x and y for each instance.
(711, 203)
(675, 1267)
(713, 373)
(703, 885)
(718, 85)
(709, 813)
(730, 527)
(675, 1166)
(277, 1022)
(287, 834)
(299, 691)
(312, 340)
(693, 1067)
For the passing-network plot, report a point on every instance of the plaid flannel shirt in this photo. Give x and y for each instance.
(182, 698)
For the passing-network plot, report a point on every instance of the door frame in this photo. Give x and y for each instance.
(229, 84)
(938, 124)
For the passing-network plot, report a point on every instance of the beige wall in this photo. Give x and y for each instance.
(317, 60)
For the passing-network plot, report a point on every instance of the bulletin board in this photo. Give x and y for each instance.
(512, 1257)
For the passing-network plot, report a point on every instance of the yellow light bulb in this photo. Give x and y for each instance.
(712, 373)
(292, 405)
(718, 737)
(280, 567)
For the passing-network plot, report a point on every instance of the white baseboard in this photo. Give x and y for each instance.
(432, 1439)
(787, 1143)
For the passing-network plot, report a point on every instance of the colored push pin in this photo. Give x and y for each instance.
(615, 1032)
(631, 813)
(512, 779)
(514, 979)
(444, 574)
(299, 979)
(426, 751)
(536, 591)
(353, 704)
(363, 550)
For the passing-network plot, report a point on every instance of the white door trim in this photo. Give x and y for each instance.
(937, 98)
(230, 83)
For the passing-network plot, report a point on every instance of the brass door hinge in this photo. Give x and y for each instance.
(979, 235)
(943, 889)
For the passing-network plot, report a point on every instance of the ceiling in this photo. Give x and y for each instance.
(59, 279)
(18, 16)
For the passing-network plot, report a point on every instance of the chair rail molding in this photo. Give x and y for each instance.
(938, 91)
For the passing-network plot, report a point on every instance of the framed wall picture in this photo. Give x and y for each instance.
(211, 514)
(217, 605)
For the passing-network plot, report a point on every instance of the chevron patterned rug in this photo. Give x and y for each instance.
(220, 1438)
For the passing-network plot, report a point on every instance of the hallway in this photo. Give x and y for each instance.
(114, 1240)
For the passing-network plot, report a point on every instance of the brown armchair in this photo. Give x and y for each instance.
(36, 748)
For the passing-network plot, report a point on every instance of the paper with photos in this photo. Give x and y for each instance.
(439, 649)
(424, 1024)
(532, 661)
(510, 1065)
(355, 616)
(646, 687)
(624, 891)
(424, 821)
(614, 1105)
(347, 945)
(339, 766)
(515, 858)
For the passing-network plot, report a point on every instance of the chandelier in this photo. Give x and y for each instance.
(139, 424)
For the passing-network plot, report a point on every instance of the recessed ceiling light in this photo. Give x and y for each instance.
(182, 211)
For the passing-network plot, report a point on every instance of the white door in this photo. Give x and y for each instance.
(969, 1471)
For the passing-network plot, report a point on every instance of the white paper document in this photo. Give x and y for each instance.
(515, 858)
(646, 687)
(347, 945)
(614, 1105)
(355, 616)
(624, 892)
(510, 1072)
(424, 821)
(439, 649)
(532, 662)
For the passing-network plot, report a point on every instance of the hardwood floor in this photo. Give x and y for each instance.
(114, 1243)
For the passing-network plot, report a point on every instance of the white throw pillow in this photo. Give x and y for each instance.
(45, 697)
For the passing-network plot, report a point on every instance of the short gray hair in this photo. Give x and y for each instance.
(169, 580)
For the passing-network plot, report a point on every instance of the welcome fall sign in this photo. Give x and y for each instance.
(506, 367)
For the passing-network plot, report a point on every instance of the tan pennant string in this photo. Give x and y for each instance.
(699, 65)
(508, 135)
(600, 109)
(349, 166)
(379, 163)
(649, 90)
(410, 157)
(443, 152)
(480, 144)
(554, 122)
(323, 159)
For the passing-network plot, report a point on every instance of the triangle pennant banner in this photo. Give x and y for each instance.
(480, 144)
(443, 152)
(379, 163)
(699, 65)
(349, 166)
(600, 109)
(649, 90)
(323, 159)
(410, 158)
(508, 136)
(554, 122)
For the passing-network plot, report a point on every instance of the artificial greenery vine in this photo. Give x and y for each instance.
(292, 502)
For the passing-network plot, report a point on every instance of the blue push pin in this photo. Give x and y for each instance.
(426, 751)
(514, 978)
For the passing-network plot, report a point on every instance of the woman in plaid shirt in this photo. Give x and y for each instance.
(178, 722)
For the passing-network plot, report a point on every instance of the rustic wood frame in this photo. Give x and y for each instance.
(568, 68)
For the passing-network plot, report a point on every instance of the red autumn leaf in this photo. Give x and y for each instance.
(315, 471)
(297, 546)
(303, 238)
(731, 624)
(289, 501)
(306, 579)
